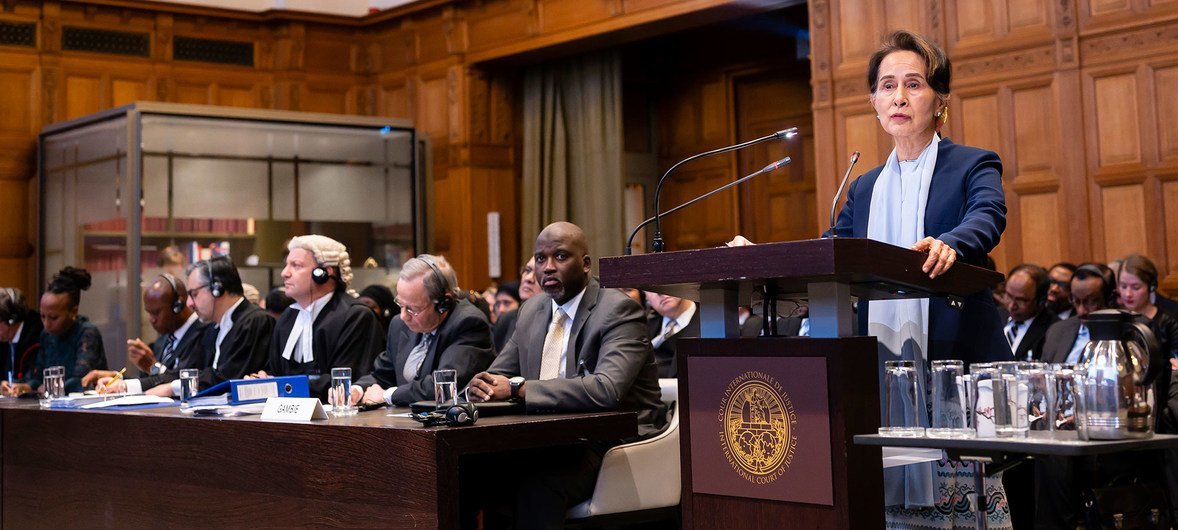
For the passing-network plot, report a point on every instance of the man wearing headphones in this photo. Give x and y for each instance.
(327, 326)
(437, 329)
(238, 340)
(179, 344)
(20, 334)
(1026, 290)
(1092, 290)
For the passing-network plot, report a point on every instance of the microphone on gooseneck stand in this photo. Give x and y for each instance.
(761, 171)
(834, 204)
(657, 243)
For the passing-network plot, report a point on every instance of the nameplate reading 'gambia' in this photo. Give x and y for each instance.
(293, 409)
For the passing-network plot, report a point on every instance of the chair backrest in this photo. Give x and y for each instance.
(670, 388)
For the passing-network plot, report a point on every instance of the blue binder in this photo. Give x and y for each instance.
(242, 391)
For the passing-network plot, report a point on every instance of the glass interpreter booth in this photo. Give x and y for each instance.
(119, 186)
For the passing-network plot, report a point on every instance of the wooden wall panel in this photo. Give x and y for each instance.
(910, 14)
(557, 15)
(193, 93)
(862, 133)
(1026, 13)
(16, 113)
(979, 115)
(975, 21)
(1117, 129)
(858, 36)
(1035, 136)
(1165, 116)
(124, 91)
(1124, 220)
(432, 110)
(1170, 218)
(1039, 228)
(83, 95)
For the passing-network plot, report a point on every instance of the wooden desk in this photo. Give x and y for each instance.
(158, 467)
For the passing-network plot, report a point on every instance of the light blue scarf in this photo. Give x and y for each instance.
(897, 216)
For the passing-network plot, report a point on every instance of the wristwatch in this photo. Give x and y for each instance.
(158, 368)
(516, 383)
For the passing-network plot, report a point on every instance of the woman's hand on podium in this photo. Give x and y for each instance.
(739, 241)
(941, 256)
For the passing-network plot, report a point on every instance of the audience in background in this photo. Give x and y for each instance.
(66, 339)
(276, 302)
(674, 318)
(20, 336)
(527, 281)
(381, 301)
(1026, 291)
(1059, 295)
(506, 305)
(171, 259)
(1137, 281)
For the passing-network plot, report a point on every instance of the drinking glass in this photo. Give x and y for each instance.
(1010, 399)
(982, 377)
(1040, 399)
(949, 402)
(446, 388)
(341, 389)
(901, 400)
(1064, 381)
(189, 385)
(53, 378)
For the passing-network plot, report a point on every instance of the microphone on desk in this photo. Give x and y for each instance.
(838, 194)
(657, 244)
(654, 219)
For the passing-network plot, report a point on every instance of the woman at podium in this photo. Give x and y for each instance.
(946, 199)
(933, 196)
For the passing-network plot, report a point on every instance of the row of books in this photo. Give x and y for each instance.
(185, 225)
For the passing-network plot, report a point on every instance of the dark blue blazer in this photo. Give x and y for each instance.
(967, 210)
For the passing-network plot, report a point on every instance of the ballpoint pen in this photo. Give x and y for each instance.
(112, 381)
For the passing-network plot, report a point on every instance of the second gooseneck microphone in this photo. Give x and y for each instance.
(657, 244)
(834, 204)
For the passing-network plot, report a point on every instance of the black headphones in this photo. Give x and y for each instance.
(216, 288)
(1108, 281)
(464, 413)
(14, 306)
(177, 302)
(319, 275)
(446, 302)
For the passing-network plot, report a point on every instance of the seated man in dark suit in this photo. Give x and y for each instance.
(438, 328)
(327, 326)
(577, 347)
(20, 335)
(674, 318)
(1092, 289)
(1026, 289)
(179, 344)
(238, 339)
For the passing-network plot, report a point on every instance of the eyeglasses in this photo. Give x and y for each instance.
(1091, 302)
(413, 312)
(1062, 284)
(192, 292)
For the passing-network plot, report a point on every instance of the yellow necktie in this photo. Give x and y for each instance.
(553, 346)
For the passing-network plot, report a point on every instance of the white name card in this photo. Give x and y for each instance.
(293, 409)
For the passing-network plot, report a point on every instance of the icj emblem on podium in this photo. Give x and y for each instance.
(759, 421)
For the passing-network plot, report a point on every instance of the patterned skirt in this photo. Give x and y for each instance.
(954, 492)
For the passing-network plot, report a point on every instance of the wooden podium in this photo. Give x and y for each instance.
(767, 423)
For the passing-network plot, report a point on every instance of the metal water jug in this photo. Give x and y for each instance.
(1118, 399)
